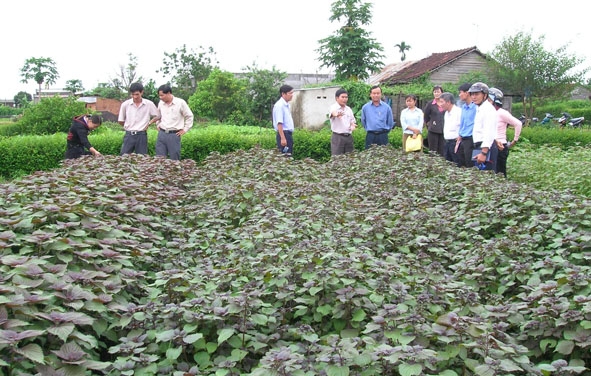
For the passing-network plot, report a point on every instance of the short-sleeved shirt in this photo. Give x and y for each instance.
(136, 118)
(282, 114)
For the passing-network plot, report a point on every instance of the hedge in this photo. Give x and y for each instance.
(20, 155)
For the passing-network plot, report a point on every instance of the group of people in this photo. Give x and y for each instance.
(173, 118)
(376, 119)
(470, 133)
(473, 133)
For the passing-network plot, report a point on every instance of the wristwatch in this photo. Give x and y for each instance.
(483, 153)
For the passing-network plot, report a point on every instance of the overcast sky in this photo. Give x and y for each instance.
(89, 41)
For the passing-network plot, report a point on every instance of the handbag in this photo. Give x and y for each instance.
(414, 144)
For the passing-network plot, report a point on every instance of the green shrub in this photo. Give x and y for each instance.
(49, 116)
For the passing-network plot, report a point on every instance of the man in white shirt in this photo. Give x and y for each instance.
(342, 124)
(485, 127)
(451, 127)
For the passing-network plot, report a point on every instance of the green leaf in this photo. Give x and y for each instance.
(224, 334)
(358, 315)
(192, 338)
(172, 353)
(62, 331)
(33, 352)
(406, 369)
(337, 370)
(565, 347)
(259, 319)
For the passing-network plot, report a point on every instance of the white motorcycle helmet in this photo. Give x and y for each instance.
(496, 96)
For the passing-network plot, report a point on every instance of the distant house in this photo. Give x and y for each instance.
(50, 93)
(442, 67)
(109, 108)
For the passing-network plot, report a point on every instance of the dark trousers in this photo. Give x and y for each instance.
(465, 152)
(168, 145)
(288, 138)
(502, 156)
(450, 154)
(376, 138)
(341, 143)
(436, 142)
(73, 152)
(135, 142)
(492, 155)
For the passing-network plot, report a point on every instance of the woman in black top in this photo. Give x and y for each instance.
(434, 115)
(78, 136)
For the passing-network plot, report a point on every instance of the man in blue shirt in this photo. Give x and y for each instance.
(466, 127)
(377, 119)
(283, 122)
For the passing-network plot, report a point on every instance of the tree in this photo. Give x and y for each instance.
(22, 99)
(40, 70)
(127, 74)
(403, 47)
(109, 90)
(524, 67)
(263, 88)
(75, 86)
(351, 50)
(219, 96)
(188, 68)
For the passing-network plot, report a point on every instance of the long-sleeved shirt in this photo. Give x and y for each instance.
(505, 119)
(485, 124)
(377, 118)
(411, 118)
(467, 121)
(343, 123)
(175, 116)
(451, 123)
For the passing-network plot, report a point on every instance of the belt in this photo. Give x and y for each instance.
(290, 132)
(170, 130)
(477, 144)
(379, 132)
(135, 132)
(342, 134)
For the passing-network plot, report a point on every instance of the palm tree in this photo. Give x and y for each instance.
(403, 47)
(41, 70)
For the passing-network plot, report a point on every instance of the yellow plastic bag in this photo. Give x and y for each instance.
(414, 144)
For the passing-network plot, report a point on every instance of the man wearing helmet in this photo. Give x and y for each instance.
(505, 119)
(485, 127)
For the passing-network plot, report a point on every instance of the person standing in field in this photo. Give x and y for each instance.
(434, 122)
(175, 120)
(411, 120)
(342, 124)
(505, 119)
(466, 126)
(451, 126)
(485, 127)
(283, 122)
(77, 140)
(135, 115)
(377, 119)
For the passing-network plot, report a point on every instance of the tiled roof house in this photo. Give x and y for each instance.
(442, 67)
